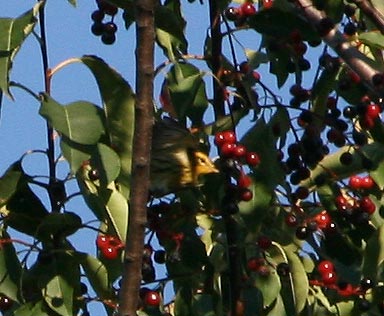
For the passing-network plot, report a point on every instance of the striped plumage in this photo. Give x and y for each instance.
(176, 161)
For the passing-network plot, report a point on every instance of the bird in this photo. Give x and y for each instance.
(177, 162)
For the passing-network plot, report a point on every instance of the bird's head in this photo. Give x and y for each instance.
(203, 164)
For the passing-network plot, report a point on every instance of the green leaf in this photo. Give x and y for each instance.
(76, 154)
(253, 301)
(108, 204)
(10, 269)
(33, 309)
(13, 33)
(119, 107)
(124, 4)
(82, 122)
(255, 58)
(107, 162)
(373, 39)
(278, 308)
(13, 178)
(187, 91)
(24, 211)
(170, 30)
(203, 305)
(59, 224)
(97, 274)
(374, 254)
(269, 286)
(58, 295)
(299, 279)
(73, 2)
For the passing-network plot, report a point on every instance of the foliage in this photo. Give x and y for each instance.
(299, 190)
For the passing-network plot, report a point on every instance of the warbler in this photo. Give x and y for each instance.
(177, 162)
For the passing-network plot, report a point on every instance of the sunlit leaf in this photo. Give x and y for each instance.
(59, 296)
(73, 2)
(374, 254)
(255, 58)
(373, 39)
(269, 286)
(82, 122)
(119, 101)
(13, 33)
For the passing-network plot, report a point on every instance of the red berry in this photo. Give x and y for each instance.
(110, 252)
(373, 111)
(367, 205)
(152, 298)
(355, 182)
(267, 4)
(102, 241)
(291, 220)
(247, 9)
(219, 139)
(244, 181)
(244, 67)
(227, 149)
(256, 75)
(329, 278)
(331, 103)
(323, 219)
(246, 195)
(252, 159)
(264, 242)
(255, 263)
(239, 151)
(325, 266)
(367, 183)
(341, 203)
(229, 137)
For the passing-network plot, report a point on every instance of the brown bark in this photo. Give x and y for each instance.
(369, 10)
(145, 35)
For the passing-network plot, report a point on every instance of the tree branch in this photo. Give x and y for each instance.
(356, 60)
(370, 11)
(215, 58)
(145, 36)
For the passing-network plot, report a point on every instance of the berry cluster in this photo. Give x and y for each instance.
(239, 15)
(107, 30)
(234, 156)
(149, 298)
(355, 210)
(109, 246)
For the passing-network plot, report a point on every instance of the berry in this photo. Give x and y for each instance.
(244, 67)
(246, 195)
(102, 241)
(264, 242)
(5, 303)
(349, 10)
(97, 16)
(302, 193)
(355, 182)
(323, 219)
(372, 111)
(367, 183)
(160, 256)
(244, 181)
(346, 158)
(366, 284)
(325, 266)
(110, 28)
(97, 28)
(264, 271)
(108, 39)
(227, 149)
(304, 64)
(325, 26)
(239, 151)
(256, 76)
(110, 253)
(291, 220)
(147, 251)
(152, 298)
(329, 278)
(267, 4)
(350, 29)
(363, 304)
(247, 9)
(378, 79)
(367, 206)
(302, 232)
(254, 263)
(252, 159)
(232, 13)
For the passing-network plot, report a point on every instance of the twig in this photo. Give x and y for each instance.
(372, 13)
(355, 59)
